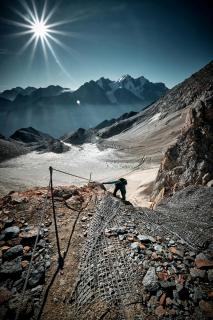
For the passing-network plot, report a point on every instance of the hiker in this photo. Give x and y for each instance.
(119, 185)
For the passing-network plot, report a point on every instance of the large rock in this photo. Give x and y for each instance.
(11, 268)
(37, 277)
(203, 261)
(29, 237)
(11, 232)
(5, 295)
(13, 252)
(150, 281)
(145, 238)
(26, 308)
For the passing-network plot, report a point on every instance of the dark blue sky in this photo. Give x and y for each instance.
(163, 40)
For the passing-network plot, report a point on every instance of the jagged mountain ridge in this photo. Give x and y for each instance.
(136, 90)
(178, 98)
(57, 110)
(13, 93)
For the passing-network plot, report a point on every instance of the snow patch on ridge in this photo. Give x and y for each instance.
(155, 117)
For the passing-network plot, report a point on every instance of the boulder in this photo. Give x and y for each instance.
(150, 281)
(197, 273)
(11, 269)
(37, 277)
(13, 252)
(207, 308)
(29, 237)
(11, 232)
(203, 261)
(5, 295)
(145, 238)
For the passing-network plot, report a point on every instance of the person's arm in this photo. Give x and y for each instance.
(111, 182)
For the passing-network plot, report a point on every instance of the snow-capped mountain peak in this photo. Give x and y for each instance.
(125, 77)
(139, 89)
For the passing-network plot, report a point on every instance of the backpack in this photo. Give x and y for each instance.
(123, 181)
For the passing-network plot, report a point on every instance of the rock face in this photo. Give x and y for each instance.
(10, 149)
(29, 139)
(15, 257)
(190, 160)
(100, 131)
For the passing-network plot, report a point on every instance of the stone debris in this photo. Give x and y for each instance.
(173, 275)
(16, 245)
(173, 281)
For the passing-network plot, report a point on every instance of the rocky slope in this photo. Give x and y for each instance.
(10, 149)
(190, 160)
(26, 140)
(94, 134)
(120, 261)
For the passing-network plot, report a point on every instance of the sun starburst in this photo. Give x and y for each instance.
(40, 29)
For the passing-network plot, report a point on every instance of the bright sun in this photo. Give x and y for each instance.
(40, 29)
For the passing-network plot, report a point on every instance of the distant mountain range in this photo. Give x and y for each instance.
(126, 90)
(178, 98)
(175, 100)
(56, 110)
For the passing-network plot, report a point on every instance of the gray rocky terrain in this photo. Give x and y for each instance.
(26, 140)
(119, 261)
(190, 160)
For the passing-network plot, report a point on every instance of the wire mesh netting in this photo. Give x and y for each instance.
(108, 276)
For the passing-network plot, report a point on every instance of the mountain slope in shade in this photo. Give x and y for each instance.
(10, 149)
(38, 141)
(92, 135)
(26, 140)
(12, 94)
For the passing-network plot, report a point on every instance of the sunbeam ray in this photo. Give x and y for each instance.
(57, 59)
(44, 49)
(21, 33)
(35, 11)
(27, 44)
(33, 51)
(70, 50)
(51, 13)
(65, 33)
(16, 23)
(21, 15)
(27, 8)
(43, 14)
